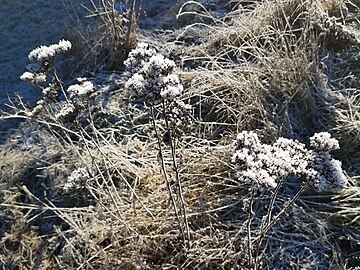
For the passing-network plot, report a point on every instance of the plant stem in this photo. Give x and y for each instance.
(177, 176)
(132, 19)
(268, 216)
(264, 230)
(165, 172)
(250, 216)
(297, 195)
(113, 20)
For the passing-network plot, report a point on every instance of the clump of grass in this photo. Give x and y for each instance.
(103, 40)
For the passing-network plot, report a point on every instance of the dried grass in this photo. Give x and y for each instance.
(263, 69)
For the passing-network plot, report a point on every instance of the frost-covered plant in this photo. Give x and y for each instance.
(328, 172)
(47, 53)
(35, 78)
(178, 115)
(78, 98)
(322, 142)
(138, 57)
(38, 108)
(68, 111)
(151, 79)
(42, 61)
(151, 76)
(43, 65)
(267, 165)
(76, 180)
(42, 72)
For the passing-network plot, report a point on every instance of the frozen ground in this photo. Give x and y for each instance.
(24, 26)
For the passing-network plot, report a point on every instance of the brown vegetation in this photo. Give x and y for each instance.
(276, 67)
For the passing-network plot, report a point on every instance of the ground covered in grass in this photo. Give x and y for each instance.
(88, 191)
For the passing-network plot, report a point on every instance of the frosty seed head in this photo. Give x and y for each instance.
(80, 90)
(322, 142)
(47, 53)
(27, 77)
(150, 76)
(266, 165)
(67, 111)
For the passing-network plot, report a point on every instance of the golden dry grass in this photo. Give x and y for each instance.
(262, 69)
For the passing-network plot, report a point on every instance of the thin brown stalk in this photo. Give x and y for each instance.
(131, 22)
(162, 161)
(177, 176)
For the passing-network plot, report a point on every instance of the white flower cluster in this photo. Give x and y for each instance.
(76, 180)
(79, 95)
(322, 142)
(151, 75)
(46, 53)
(266, 165)
(41, 57)
(37, 78)
(151, 78)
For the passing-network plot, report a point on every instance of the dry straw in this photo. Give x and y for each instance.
(87, 191)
